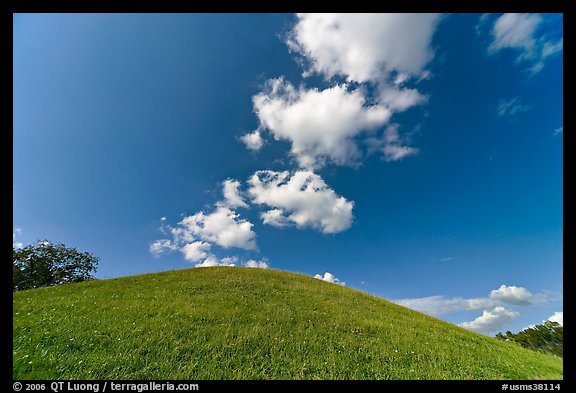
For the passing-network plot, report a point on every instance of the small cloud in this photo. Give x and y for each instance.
(212, 261)
(329, 277)
(511, 106)
(559, 130)
(446, 259)
(232, 197)
(162, 218)
(262, 264)
(490, 320)
(253, 140)
(558, 316)
(159, 247)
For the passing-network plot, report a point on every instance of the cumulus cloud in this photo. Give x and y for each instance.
(223, 227)
(232, 197)
(490, 320)
(263, 264)
(195, 251)
(511, 106)
(195, 235)
(437, 305)
(329, 277)
(320, 124)
(301, 198)
(386, 53)
(512, 295)
(364, 47)
(519, 32)
(558, 316)
(253, 140)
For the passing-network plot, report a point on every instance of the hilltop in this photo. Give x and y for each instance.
(240, 323)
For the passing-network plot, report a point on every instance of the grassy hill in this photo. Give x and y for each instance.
(239, 323)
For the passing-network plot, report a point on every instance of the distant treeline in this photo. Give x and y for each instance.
(547, 338)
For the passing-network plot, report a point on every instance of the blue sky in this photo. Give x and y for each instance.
(414, 157)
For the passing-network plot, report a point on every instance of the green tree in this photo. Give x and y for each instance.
(548, 338)
(46, 264)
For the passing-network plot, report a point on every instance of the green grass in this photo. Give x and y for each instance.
(239, 323)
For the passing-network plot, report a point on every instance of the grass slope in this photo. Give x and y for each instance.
(239, 323)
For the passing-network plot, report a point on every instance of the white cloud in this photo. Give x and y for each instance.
(329, 277)
(263, 264)
(446, 259)
(559, 130)
(253, 140)
(386, 51)
(515, 31)
(232, 197)
(558, 316)
(519, 32)
(512, 295)
(302, 199)
(212, 261)
(490, 320)
(223, 227)
(195, 251)
(437, 305)
(511, 106)
(159, 247)
(364, 47)
(320, 124)
(162, 218)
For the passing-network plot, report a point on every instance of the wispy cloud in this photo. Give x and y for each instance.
(520, 32)
(559, 130)
(511, 106)
(492, 306)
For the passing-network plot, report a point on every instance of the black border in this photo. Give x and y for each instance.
(9, 7)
